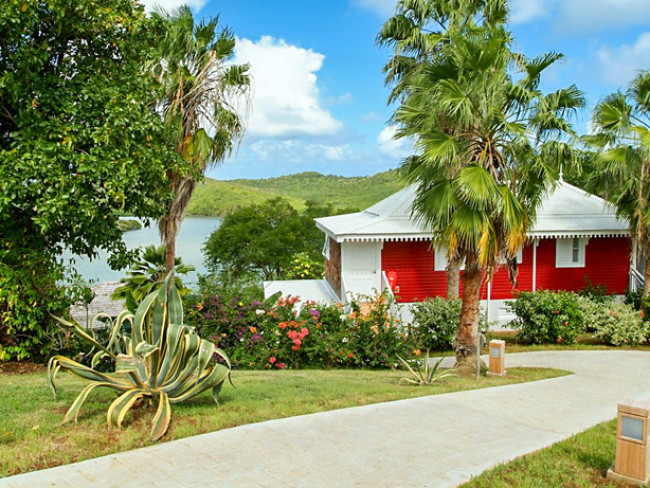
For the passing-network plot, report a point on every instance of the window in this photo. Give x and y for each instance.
(326, 247)
(570, 253)
(440, 261)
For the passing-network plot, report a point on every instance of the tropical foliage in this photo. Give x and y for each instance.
(79, 142)
(621, 165)
(200, 87)
(266, 239)
(147, 274)
(158, 360)
(489, 142)
(281, 333)
(424, 373)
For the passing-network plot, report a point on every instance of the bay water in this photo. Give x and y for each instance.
(191, 238)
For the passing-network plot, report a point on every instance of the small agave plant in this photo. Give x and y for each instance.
(158, 361)
(423, 372)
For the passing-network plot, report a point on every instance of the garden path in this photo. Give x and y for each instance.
(436, 441)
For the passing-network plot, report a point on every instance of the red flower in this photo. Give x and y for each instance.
(272, 360)
(304, 331)
(642, 315)
(350, 354)
(557, 312)
(296, 347)
(282, 325)
(566, 323)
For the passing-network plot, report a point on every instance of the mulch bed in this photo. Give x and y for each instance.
(21, 367)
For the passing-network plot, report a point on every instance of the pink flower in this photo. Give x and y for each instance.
(304, 332)
(297, 342)
(272, 360)
(292, 334)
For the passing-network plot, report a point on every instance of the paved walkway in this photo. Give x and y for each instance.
(437, 441)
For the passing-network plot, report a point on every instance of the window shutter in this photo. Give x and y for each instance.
(440, 259)
(570, 253)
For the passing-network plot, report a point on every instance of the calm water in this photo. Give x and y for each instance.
(193, 234)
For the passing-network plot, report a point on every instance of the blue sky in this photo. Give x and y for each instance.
(319, 101)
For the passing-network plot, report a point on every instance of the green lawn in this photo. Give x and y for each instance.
(585, 342)
(32, 435)
(578, 462)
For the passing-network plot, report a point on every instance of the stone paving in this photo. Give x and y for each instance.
(437, 441)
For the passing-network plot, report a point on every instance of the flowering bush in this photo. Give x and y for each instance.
(435, 322)
(286, 333)
(614, 322)
(548, 316)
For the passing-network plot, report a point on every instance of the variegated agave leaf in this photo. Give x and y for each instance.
(160, 360)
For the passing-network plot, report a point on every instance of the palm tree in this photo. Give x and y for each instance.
(489, 143)
(148, 273)
(621, 124)
(200, 91)
(417, 32)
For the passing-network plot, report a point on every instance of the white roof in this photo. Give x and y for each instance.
(566, 211)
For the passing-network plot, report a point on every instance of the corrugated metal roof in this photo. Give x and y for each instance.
(566, 211)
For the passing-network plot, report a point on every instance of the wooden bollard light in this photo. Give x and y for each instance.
(632, 463)
(497, 358)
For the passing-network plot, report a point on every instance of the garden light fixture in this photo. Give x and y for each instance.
(632, 464)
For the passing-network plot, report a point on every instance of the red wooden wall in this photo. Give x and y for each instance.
(607, 263)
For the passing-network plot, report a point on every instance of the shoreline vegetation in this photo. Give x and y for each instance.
(127, 225)
(215, 198)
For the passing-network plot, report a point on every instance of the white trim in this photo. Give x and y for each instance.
(326, 247)
(535, 244)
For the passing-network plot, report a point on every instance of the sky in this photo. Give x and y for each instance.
(319, 102)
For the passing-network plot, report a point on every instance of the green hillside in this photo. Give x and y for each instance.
(215, 198)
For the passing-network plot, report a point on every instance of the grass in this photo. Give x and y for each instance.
(585, 342)
(32, 435)
(578, 462)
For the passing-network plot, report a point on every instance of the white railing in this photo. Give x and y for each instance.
(637, 280)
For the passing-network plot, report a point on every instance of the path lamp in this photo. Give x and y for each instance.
(497, 358)
(632, 463)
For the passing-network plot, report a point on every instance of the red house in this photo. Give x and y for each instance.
(576, 239)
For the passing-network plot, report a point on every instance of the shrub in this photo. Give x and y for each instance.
(29, 296)
(435, 322)
(285, 333)
(547, 316)
(614, 322)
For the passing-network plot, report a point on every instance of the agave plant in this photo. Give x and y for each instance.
(424, 373)
(158, 361)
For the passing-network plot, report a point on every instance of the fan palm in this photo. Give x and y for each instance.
(621, 166)
(418, 32)
(148, 273)
(489, 143)
(200, 91)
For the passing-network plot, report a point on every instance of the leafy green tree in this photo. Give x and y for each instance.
(489, 143)
(79, 142)
(200, 87)
(265, 239)
(621, 166)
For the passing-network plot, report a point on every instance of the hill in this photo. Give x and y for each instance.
(215, 198)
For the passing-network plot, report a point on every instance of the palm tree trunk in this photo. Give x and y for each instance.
(646, 283)
(170, 223)
(467, 333)
(453, 277)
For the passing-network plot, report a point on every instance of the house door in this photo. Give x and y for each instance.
(361, 266)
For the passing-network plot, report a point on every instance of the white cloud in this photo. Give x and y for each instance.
(296, 151)
(595, 15)
(285, 98)
(340, 100)
(383, 8)
(169, 5)
(522, 11)
(619, 65)
(582, 15)
(371, 116)
(395, 148)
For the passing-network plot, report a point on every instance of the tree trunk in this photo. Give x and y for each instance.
(467, 334)
(453, 277)
(170, 252)
(646, 283)
(170, 223)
